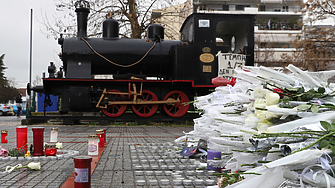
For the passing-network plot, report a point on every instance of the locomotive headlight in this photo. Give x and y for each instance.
(233, 44)
(79, 63)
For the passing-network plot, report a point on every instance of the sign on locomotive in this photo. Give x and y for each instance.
(148, 74)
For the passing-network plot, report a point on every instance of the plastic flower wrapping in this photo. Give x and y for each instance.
(30, 166)
(273, 129)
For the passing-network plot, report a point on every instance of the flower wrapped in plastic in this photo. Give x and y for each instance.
(30, 166)
(3, 152)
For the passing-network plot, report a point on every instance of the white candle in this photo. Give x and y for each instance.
(93, 147)
(53, 135)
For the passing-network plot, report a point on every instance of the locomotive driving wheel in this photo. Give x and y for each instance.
(145, 110)
(114, 110)
(177, 109)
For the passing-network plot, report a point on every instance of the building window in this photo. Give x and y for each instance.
(262, 8)
(225, 7)
(241, 7)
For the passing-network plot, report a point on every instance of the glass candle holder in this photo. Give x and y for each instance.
(101, 136)
(4, 135)
(93, 145)
(21, 138)
(212, 163)
(50, 149)
(53, 135)
(82, 171)
(38, 140)
(105, 135)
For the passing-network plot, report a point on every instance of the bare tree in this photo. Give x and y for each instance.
(264, 51)
(314, 50)
(37, 81)
(134, 16)
(315, 47)
(319, 9)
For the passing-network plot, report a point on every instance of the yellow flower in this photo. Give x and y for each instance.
(27, 155)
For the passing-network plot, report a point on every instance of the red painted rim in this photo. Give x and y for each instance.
(146, 110)
(178, 109)
(114, 110)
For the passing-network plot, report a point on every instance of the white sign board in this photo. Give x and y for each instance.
(228, 62)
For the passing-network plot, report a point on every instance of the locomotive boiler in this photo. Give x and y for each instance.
(145, 75)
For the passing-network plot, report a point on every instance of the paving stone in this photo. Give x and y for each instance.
(126, 148)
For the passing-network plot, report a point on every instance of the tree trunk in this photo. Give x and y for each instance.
(136, 29)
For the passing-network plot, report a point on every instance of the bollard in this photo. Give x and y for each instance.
(101, 136)
(21, 138)
(38, 141)
(4, 138)
(212, 164)
(82, 171)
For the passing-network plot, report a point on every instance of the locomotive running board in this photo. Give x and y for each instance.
(169, 101)
(135, 101)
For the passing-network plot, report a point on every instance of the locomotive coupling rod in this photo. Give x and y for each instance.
(169, 101)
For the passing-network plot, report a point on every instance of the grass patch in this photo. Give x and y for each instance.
(151, 123)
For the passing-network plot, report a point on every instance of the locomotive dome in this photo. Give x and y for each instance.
(110, 28)
(155, 31)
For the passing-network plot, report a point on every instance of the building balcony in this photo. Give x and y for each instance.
(278, 23)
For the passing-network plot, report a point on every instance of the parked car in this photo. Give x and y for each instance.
(6, 110)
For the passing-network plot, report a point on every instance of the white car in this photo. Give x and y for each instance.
(5, 110)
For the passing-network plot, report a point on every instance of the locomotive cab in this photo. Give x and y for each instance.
(201, 31)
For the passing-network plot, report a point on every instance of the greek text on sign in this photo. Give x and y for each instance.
(227, 62)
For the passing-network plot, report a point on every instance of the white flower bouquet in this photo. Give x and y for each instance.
(271, 122)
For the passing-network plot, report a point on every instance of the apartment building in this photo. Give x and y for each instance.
(277, 22)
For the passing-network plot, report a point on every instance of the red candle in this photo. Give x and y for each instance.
(4, 138)
(50, 149)
(101, 136)
(21, 138)
(38, 141)
(82, 171)
(105, 134)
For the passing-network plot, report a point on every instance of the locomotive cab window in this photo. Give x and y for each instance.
(233, 35)
(190, 33)
(219, 42)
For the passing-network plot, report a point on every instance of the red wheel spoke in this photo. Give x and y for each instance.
(114, 110)
(146, 110)
(146, 99)
(177, 109)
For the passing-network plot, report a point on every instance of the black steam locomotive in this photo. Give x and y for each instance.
(145, 75)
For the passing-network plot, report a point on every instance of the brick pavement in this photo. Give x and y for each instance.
(136, 156)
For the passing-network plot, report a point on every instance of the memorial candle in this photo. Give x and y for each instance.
(4, 135)
(21, 138)
(212, 162)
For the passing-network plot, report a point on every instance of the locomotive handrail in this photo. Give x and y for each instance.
(124, 66)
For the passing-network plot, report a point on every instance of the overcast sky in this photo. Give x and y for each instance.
(15, 39)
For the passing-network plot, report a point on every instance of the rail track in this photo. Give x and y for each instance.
(100, 119)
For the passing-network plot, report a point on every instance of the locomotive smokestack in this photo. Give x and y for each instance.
(82, 10)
